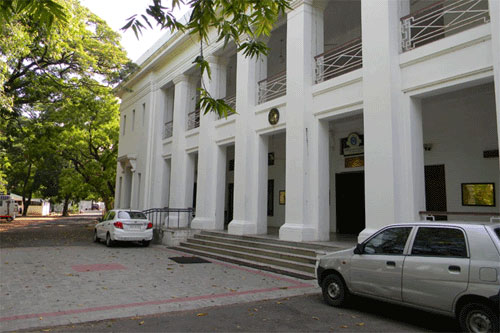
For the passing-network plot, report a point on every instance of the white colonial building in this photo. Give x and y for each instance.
(364, 113)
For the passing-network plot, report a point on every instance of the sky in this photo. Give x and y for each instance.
(116, 12)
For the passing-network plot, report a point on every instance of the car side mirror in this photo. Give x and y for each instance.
(359, 249)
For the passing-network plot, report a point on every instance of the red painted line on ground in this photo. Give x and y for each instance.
(97, 267)
(138, 304)
(249, 270)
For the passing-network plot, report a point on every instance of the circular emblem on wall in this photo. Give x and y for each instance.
(353, 140)
(274, 116)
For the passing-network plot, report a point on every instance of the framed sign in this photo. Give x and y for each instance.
(282, 197)
(478, 194)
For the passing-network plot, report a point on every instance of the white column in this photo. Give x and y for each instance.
(133, 195)
(250, 171)
(494, 8)
(307, 203)
(182, 168)
(211, 158)
(394, 163)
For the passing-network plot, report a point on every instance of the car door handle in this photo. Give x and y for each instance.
(391, 263)
(454, 269)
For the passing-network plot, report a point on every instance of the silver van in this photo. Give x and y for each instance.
(451, 268)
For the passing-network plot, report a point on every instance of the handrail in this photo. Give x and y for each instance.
(339, 60)
(157, 216)
(272, 77)
(352, 41)
(441, 19)
(168, 129)
(193, 119)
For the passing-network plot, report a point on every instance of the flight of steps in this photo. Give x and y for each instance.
(284, 257)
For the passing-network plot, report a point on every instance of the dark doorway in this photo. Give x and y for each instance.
(229, 207)
(435, 190)
(350, 202)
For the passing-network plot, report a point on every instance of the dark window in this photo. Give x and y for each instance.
(270, 159)
(439, 242)
(389, 241)
(231, 165)
(497, 231)
(131, 215)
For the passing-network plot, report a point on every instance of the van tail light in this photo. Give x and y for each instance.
(150, 225)
(118, 225)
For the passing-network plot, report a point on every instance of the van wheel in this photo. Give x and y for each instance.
(109, 241)
(478, 318)
(335, 291)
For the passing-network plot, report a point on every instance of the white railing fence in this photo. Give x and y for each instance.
(231, 101)
(194, 119)
(272, 87)
(338, 61)
(168, 129)
(442, 19)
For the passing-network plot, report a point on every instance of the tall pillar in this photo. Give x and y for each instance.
(181, 183)
(306, 211)
(211, 158)
(394, 164)
(494, 8)
(250, 171)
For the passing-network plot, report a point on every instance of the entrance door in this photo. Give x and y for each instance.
(435, 190)
(350, 202)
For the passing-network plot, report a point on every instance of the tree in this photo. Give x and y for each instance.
(244, 22)
(48, 69)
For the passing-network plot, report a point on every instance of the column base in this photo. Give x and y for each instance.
(241, 227)
(298, 233)
(204, 223)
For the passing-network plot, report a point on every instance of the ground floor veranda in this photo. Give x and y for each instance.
(350, 171)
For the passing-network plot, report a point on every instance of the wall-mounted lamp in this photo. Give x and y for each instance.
(427, 146)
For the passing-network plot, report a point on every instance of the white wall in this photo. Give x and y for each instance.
(460, 126)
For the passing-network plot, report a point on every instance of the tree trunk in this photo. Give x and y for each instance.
(26, 203)
(65, 207)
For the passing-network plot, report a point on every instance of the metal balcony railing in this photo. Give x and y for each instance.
(338, 61)
(168, 129)
(169, 217)
(442, 19)
(231, 101)
(272, 87)
(193, 119)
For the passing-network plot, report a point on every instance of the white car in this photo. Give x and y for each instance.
(124, 225)
(447, 268)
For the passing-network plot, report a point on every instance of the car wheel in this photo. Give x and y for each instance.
(96, 239)
(109, 241)
(145, 243)
(478, 318)
(335, 291)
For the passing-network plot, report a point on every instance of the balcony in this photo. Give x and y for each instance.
(193, 119)
(272, 87)
(168, 129)
(231, 101)
(440, 20)
(338, 61)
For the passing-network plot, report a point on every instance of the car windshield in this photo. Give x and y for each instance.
(497, 231)
(132, 215)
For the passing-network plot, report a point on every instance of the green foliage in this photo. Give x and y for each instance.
(244, 22)
(59, 120)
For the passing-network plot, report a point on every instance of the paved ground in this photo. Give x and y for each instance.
(52, 274)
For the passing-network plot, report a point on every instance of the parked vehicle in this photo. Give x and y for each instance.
(8, 208)
(447, 268)
(124, 225)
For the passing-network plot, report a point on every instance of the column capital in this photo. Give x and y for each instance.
(320, 4)
(181, 78)
(213, 59)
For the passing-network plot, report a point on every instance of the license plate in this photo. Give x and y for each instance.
(134, 227)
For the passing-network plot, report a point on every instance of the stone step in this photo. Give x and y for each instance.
(319, 248)
(262, 245)
(281, 254)
(252, 257)
(249, 263)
